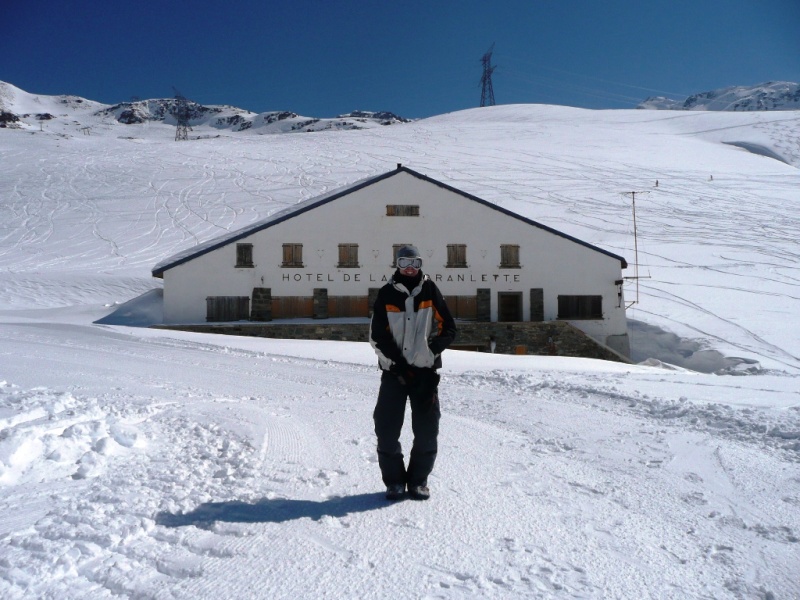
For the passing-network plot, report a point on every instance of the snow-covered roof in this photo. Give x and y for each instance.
(311, 203)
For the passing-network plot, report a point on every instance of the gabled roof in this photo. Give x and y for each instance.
(312, 203)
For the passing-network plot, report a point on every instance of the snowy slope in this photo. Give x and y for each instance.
(150, 464)
(110, 205)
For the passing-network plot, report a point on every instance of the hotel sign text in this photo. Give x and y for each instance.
(372, 278)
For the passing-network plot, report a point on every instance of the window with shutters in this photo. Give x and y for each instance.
(292, 255)
(456, 256)
(348, 256)
(580, 307)
(402, 210)
(244, 255)
(509, 256)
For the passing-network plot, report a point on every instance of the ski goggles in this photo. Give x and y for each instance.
(404, 262)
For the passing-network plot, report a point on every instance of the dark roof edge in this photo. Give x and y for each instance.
(248, 231)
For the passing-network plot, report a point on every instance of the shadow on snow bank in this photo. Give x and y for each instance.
(142, 311)
(651, 344)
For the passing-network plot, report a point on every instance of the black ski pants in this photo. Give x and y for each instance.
(389, 415)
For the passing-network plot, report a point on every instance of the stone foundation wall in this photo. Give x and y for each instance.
(556, 338)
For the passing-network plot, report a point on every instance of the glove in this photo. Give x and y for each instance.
(435, 346)
(403, 371)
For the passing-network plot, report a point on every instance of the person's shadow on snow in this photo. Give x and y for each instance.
(272, 511)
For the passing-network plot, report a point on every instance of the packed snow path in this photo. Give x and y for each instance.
(186, 466)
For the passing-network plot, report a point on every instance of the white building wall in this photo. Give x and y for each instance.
(557, 265)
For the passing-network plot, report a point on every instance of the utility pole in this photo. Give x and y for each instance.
(635, 246)
(487, 92)
(181, 113)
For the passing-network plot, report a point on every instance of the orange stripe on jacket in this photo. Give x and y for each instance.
(439, 320)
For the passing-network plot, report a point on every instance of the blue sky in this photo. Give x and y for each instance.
(415, 58)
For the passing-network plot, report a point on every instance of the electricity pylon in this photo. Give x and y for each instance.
(181, 113)
(487, 92)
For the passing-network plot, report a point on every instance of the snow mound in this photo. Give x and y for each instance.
(48, 435)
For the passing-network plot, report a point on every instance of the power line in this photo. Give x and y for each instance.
(600, 79)
(569, 86)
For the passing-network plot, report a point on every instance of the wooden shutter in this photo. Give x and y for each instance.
(456, 255)
(293, 255)
(348, 255)
(227, 308)
(509, 256)
(244, 255)
(348, 306)
(463, 307)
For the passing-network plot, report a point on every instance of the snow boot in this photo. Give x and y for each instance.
(395, 491)
(419, 492)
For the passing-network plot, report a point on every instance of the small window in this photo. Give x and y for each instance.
(456, 256)
(244, 255)
(402, 210)
(580, 307)
(348, 256)
(292, 255)
(509, 256)
(395, 250)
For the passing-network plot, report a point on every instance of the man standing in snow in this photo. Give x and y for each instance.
(411, 327)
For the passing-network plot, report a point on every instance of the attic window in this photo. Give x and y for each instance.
(402, 210)
(580, 307)
(292, 255)
(244, 255)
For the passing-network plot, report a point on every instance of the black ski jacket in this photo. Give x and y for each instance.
(415, 325)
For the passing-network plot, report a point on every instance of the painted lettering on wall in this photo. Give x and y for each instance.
(321, 277)
(483, 278)
(372, 278)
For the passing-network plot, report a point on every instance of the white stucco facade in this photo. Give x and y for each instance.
(548, 260)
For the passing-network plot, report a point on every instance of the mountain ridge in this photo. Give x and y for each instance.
(772, 95)
(22, 110)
